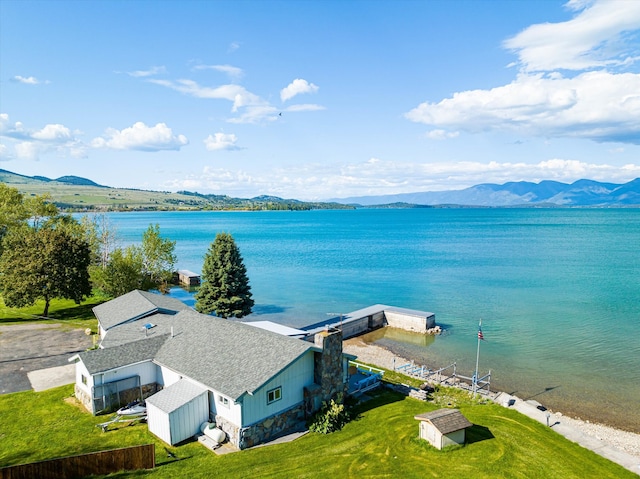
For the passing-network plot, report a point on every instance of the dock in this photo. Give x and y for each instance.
(187, 278)
(375, 317)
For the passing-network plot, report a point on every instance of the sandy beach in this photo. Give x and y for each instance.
(627, 442)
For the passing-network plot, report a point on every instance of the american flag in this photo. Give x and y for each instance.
(480, 335)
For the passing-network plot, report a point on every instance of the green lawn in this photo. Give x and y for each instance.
(382, 442)
(63, 311)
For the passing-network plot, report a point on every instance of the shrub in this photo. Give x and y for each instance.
(331, 417)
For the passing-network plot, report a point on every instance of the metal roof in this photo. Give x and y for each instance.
(277, 328)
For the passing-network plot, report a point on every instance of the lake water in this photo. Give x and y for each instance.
(558, 290)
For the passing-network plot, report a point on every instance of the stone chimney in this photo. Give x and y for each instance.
(328, 372)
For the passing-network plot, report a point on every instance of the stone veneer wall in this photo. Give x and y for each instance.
(232, 431)
(328, 364)
(272, 427)
(263, 431)
(84, 397)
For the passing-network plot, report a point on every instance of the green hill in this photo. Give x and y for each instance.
(72, 193)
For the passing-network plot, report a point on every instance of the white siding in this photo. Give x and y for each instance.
(178, 414)
(233, 413)
(158, 422)
(81, 370)
(185, 421)
(146, 370)
(292, 380)
(167, 377)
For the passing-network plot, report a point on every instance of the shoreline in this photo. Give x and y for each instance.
(625, 441)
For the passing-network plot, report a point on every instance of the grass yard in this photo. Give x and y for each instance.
(63, 311)
(382, 442)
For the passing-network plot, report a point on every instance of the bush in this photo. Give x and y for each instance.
(331, 417)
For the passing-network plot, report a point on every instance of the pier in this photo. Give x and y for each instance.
(187, 278)
(447, 376)
(375, 317)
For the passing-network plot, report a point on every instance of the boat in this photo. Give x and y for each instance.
(135, 408)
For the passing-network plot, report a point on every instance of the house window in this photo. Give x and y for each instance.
(84, 379)
(223, 400)
(274, 395)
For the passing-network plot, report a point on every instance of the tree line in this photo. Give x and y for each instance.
(45, 254)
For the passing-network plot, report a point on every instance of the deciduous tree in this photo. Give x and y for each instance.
(44, 263)
(158, 259)
(145, 266)
(225, 288)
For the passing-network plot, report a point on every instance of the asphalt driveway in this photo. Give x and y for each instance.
(32, 347)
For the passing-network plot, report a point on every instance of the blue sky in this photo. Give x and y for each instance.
(320, 99)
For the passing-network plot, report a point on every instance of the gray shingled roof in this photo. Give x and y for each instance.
(101, 360)
(225, 355)
(133, 305)
(445, 420)
(175, 396)
(135, 330)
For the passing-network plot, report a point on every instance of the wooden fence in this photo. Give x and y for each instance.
(98, 463)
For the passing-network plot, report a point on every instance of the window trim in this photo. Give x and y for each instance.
(224, 400)
(274, 395)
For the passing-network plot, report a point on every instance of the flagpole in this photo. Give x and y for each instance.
(475, 376)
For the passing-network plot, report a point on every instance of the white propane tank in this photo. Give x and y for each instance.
(216, 434)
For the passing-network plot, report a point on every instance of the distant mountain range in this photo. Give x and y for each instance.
(521, 193)
(10, 177)
(75, 192)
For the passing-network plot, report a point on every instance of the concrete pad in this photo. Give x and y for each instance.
(44, 379)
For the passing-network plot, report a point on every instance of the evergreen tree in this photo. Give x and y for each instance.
(225, 288)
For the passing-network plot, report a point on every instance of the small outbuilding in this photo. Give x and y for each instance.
(176, 413)
(188, 278)
(444, 427)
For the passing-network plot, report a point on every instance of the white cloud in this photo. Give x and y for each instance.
(297, 87)
(600, 105)
(233, 72)
(305, 107)
(592, 39)
(27, 80)
(54, 132)
(233, 46)
(595, 105)
(239, 95)
(141, 137)
(376, 176)
(221, 141)
(4, 152)
(256, 114)
(441, 134)
(147, 73)
(30, 144)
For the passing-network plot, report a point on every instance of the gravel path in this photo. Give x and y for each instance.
(624, 441)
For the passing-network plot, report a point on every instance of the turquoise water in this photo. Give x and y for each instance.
(558, 290)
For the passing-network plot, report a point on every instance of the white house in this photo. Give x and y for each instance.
(257, 384)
